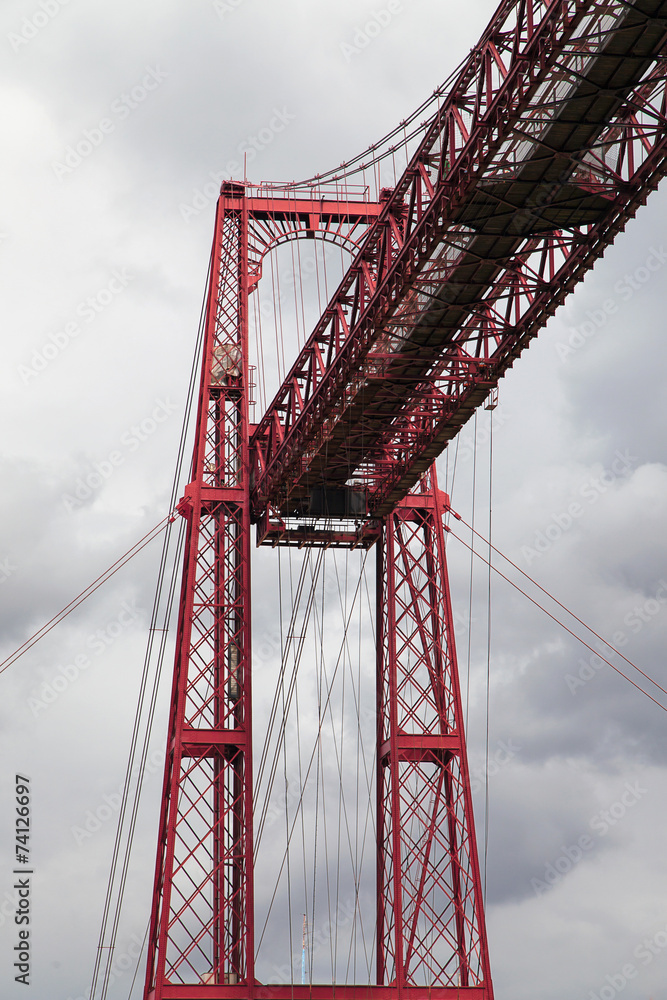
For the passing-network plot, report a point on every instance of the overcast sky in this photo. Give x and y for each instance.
(103, 261)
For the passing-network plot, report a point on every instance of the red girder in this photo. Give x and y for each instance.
(294, 991)
(552, 136)
(277, 214)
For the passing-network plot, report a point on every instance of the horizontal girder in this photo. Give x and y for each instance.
(318, 992)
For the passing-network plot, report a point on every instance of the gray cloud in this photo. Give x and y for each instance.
(566, 418)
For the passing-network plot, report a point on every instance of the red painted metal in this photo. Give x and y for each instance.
(551, 137)
(201, 927)
(430, 920)
(317, 992)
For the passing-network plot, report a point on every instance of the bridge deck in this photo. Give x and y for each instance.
(550, 173)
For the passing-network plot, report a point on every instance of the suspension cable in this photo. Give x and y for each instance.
(304, 779)
(116, 883)
(562, 625)
(488, 661)
(472, 561)
(360, 163)
(133, 767)
(89, 590)
(556, 601)
(278, 694)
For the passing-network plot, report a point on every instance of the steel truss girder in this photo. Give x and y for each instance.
(551, 137)
(430, 920)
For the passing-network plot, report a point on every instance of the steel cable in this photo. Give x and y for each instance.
(573, 634)
(136, 730)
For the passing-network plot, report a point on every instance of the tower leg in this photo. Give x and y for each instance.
(431, 929)
(201, 931)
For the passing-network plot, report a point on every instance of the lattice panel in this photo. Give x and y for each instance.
(208, 877)
(430, 917)
(217, 637)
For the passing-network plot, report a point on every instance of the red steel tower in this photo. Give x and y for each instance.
(430, 924)
(202, 920)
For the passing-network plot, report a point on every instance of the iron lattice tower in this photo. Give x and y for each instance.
(430, 923)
